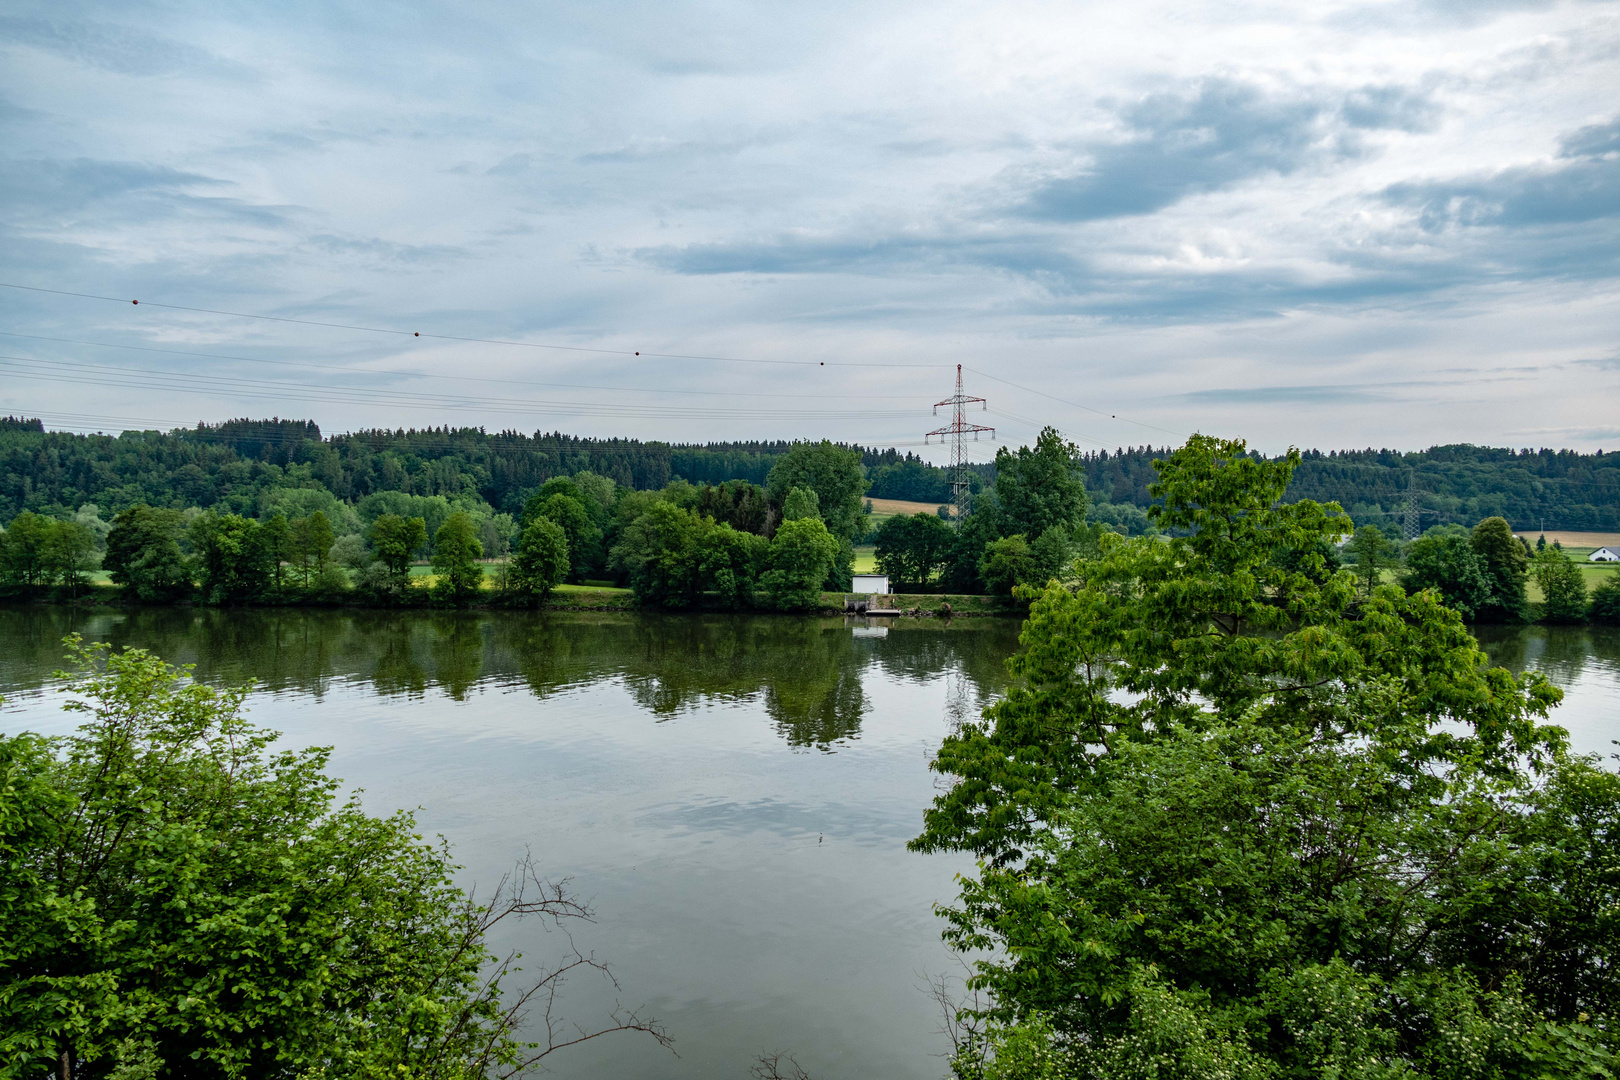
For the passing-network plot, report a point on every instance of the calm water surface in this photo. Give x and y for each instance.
(735, 794)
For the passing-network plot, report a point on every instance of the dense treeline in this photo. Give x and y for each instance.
(231, 466)
(733, 545)
(1461, 484)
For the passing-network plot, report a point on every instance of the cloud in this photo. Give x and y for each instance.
(1581, 185)
(511, 165)
(1182, 144)
(121, 49)
(1286, 395)
(127, 191)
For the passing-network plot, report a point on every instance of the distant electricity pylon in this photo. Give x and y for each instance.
(958, 430)
(1412, 526)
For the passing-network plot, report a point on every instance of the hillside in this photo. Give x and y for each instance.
(233, 463)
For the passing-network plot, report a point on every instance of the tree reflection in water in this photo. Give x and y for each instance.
(807, 672)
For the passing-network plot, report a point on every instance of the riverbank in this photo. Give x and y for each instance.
(562, 598)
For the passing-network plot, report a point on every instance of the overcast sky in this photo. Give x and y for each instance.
(1327, 225)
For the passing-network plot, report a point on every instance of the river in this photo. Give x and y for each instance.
(733, 794)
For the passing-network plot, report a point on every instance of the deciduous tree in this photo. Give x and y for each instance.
(541, 562)
(143, 553)
(182, 900)
(456, 551)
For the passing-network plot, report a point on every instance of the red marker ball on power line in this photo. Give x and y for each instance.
(638, 353)
(134, 301)
(419, 333)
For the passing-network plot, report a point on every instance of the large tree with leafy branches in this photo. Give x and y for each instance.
(1237, 818)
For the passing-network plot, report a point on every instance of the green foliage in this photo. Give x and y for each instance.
(743, 506)
(37, 551)
(1373, 552)
(456, 551)
(674, 558)
(910, 549)
(570, 512)
(143, 553)
(1563, 589)
(236, 557)
(1450, 566)
(833, 473)
(1605, 607)
(1041, 487)
(395, 541)
(1506, 565)
(541, 561)
(1238, 820)
(1006, 564)
(801, 554)
(801, 503)
(182, 900)
(309, 541)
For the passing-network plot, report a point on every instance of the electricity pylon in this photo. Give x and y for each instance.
(1412, 526)
(958, 430)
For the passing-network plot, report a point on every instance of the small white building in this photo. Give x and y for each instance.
(1604, 554)
(871, 584)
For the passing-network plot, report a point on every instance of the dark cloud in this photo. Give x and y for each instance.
(1581, 185)
(1182, 145)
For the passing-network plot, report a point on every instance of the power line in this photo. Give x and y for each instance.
(1075, 404)
(192, 383)
(455, 337)
(452, 378)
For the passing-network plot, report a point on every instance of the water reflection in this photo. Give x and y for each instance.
(807, 673)
(1582, 661)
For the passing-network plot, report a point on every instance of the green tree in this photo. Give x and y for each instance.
(278, 544)
(1563, 589)
(26, 550)
(833, 473)
(800, 555)
(234, 554)
(70, 552)
(1506, 566)
(1042, 486)
(1006, 564)
(143, 553)
(1373, 553)
(1187, 804)
(1450, 566)
(395, 541)
(910, 548)
(657, 555)
(182, 899)
(584, 538)
(1605, 607)
(456, 552)
(541, 561)
(310, 542)
(801, 503)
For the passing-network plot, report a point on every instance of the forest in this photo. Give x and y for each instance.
(234, 465)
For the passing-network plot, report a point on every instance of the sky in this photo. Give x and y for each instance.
(1330, 225)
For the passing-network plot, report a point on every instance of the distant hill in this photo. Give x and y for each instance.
(231, 464)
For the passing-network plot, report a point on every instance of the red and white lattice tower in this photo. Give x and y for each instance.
(957, 431)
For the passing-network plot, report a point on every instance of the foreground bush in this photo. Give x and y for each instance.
(179, 900)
